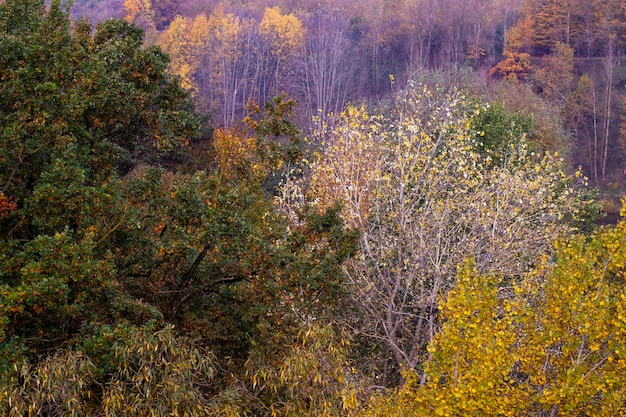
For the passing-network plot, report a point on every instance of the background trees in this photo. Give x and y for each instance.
(325, 75)
(533, 42)
(595, 33)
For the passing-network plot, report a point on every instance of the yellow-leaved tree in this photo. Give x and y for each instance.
(177, 42)
(229, 53)
(282, 44)
(553, 345)
(141, 13)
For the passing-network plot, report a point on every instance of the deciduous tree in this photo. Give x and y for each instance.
(426, 193)
(551, 344)
(74, 104)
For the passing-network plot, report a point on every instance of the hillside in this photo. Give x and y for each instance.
(370, 209)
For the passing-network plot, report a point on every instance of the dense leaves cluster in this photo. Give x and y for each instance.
(74, 104)
(103, 249)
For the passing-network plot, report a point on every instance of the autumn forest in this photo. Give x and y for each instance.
(309, 208)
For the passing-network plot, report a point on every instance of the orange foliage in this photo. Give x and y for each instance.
(6, 205)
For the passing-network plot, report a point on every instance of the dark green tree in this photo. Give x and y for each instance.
(74, 107)
(96, 236)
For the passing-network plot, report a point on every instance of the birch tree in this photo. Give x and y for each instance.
(324, 76)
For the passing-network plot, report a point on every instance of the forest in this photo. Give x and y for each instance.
(297, 208)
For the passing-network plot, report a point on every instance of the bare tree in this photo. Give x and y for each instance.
(324, 77)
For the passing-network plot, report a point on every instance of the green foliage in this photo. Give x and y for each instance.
(62, 112)
(73, 103)
(546, 132)
(50, 287)
(497, 131)
(211, 254)
(89, 256)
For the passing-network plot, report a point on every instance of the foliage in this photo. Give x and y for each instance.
(156, 373)
(497, 131)
(514, 67)
(131, 285)
(556, 74)
(426, 192)
(312, 378)
(553, 345)
(57, 386)
(284, 32)
(74, 104)
(68, 121)
(50, 287)
(547, 132)
(96, 242)
(472, 359)
(573, 357)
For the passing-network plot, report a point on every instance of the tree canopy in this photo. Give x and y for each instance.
(424, 253)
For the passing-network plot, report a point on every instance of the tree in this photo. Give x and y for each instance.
(74, 106)
(425, 193)
(553, 343)
(210, 252)
(326, 72)
(313, 378)
(177, 43)
(547, 132)
(473, 358)
(103, 249)
(141, 13)
(231, 51)
(582, 115)
(556, 73)
(515, 66)
(282, 40)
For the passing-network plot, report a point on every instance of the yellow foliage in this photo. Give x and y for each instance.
(177, 42)
(314, 379)
(515, 66)
(236, 150)
(349, 167)
(156, 374)
(135, 8)
(284, 31)
(555, 345)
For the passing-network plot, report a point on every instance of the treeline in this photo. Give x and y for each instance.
(429, 253)
(326, 55)
(323, 55)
